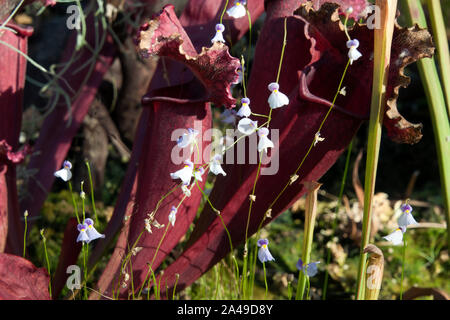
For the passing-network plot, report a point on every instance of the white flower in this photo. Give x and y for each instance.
(238, 10)
(173, 215)
(215, 166)
(264, 142)
(396, 237)
(247, 126)
(91, 231)
(276, 98)
(184, 174)
(353, 53)
(83, 235)
(240, 71)
(406, 218)
(317, 138)
(198, 173)
(228, 116)
(245, 110)
(186, 190)
(187, 139)
(65, 173)
(220, 28)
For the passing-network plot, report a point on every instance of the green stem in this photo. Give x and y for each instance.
(403, 267)
(265, 280)
(438, 114)
(25, 216)
(73, 201)
(92, 191)
(338, 206)
(223, 11)
(48, 264)
(382, 50)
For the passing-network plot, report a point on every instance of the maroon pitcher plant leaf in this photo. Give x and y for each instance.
(62, 123)
(21, 280)
(70, 249)
(11, 95)
(315, 58)
(176, 107)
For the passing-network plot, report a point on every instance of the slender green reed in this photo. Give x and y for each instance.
(91, 184)
(310, 219)
(440, 38)
(44, 240)
(382, 53)
(438, 114)
(336, 211)
(74, 202)
(25, 217)
(403, 266)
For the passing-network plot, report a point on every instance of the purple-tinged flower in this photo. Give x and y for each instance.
(310, 269)
(65, 172)
(276, 99)
(247, 126)
(238, 10)
(264, 254)
(264, 142)
(82, 227)
(184, 174)
(187, 139)
(353, 53)
(173, 215)
(186, 190)
(245, 110)
(220, 28)
(406, 218)
(198, 173)
(228, 116)
(396, 237)
(92, 233)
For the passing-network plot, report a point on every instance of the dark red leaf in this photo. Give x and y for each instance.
(62, 124)
(21, 280)
(70, 250)
(214, 67)
(11, 96)
(172, 108)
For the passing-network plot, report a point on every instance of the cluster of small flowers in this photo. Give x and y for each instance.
(264, 255)
(86, 229)
(405, 220)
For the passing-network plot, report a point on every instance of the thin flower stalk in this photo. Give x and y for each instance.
(403, 266)
(336, 211)
(245, 287)
(382, 54)
(310, 219)
(25, 217)
(44, 241)
(92, 191)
